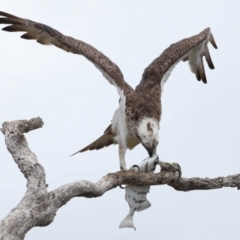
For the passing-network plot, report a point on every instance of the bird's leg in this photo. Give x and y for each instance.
(170, 167)
(122, 152)
(132, 168)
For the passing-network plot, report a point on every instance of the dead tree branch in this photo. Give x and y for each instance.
(38, 207)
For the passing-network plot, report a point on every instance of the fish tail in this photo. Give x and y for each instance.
(127, 222)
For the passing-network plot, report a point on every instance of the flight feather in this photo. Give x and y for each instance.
(49, 36)
(190, 49)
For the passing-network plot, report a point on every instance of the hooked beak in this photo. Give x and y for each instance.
(150, 150)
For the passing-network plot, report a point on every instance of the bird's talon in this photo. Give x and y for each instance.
(136, 167)
(122, 169)
(168, 167)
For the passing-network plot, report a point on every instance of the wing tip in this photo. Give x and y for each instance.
(212, 41)
(201, 76)
(7, 29)
(7, 15)
(26, 36)
(210, 64)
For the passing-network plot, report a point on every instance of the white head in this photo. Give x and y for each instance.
(147, 132)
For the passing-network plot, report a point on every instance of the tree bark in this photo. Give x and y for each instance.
(38, 207)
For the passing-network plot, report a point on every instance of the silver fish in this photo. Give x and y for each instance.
(136, 196)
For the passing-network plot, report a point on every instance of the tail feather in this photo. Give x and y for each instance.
(104, 141)
(127, 222)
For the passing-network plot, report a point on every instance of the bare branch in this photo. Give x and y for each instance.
(88, 189)
(28, 212)
(23, 156)
(24, 126)
(189, 184)
(38, 207)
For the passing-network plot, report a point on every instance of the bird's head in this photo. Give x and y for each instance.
(147, 132)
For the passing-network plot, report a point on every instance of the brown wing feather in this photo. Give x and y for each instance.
(104, 141)
(208, 59)
(47, 35)
(187, 50)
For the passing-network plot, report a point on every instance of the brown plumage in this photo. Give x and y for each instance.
(104, 141)
(137, 118)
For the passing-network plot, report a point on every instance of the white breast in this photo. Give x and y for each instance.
(119, 126)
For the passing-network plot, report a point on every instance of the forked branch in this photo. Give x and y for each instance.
(38, 207)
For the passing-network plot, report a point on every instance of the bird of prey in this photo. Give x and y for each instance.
(137, 118)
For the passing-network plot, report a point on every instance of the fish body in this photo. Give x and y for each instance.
(136, 196)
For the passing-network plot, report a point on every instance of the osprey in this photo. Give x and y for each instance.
(137, 118)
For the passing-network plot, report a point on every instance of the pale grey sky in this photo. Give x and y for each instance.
(199, 127)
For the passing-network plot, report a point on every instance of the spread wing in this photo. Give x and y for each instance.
(48, 36)
(190, 49)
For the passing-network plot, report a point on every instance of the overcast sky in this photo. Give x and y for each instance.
(199, 127)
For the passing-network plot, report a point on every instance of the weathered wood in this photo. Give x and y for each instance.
(38, 207)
